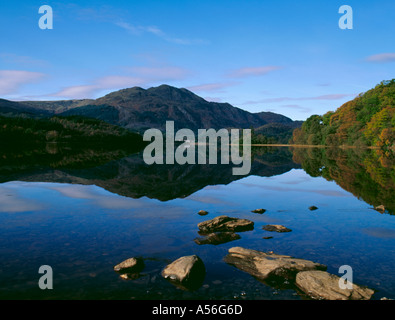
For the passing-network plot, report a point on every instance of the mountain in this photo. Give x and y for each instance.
(367, 120)
(139, 109)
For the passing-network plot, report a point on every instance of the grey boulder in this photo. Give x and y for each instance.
(323, 285)
(264, 265)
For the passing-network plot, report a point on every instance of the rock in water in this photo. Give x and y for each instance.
(129, 265)
(216, 238)
(380, 208)
(187, 272)
(202, 212)
(323, 285)
(225, 223)
(259, 211)
(263, 265)
(312, 208)
(276, 228)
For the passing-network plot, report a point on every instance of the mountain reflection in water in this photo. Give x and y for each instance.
(129, 176)
(367, 174)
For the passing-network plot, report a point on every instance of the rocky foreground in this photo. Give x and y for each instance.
(310, 278)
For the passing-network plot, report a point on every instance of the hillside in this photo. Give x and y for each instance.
(139, 109)
(276, 132)
(368, 120)
(20, 109)
(17, 132)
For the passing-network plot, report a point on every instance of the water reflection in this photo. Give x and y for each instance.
(68, 220)
(368, 174)
(127, 174)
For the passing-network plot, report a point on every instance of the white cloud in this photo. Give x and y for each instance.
(212, 87)
(12, 80)
(143, 77)
(382, 58)
(104, 83)
(337, 96)
(22, 60)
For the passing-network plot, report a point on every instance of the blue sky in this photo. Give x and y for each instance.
(288, 57)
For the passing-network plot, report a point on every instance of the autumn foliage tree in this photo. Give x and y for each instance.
(367, 120)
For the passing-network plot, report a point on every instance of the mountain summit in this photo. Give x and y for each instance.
(139, 109)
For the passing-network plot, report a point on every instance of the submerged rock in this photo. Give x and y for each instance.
(187, 272)
(264, 265)
(276, 228)
(312, 208)
(323, 285)
(259, 211)
(216, 238)
(130, 276)
(225, 223)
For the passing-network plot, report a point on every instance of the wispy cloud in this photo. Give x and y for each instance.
(326, 97)
(252, 71)
(12, 80)
(381, 58)
(296, 107)
(104, 83)
(282, 99)
(140, 76)
(139, 30)
(213, 99)
(113, 15)
(212, 87)
(12, 58)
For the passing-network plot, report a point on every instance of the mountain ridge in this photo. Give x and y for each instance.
(138, 109)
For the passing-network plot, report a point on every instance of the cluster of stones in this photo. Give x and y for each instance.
(311, 278)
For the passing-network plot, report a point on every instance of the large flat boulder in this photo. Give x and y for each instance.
(264, 265)
(323, 285)
(225, 223)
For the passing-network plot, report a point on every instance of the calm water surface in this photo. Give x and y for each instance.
(82, 222)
